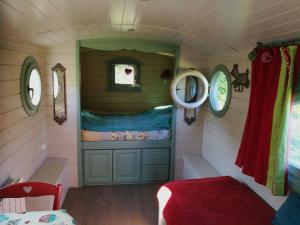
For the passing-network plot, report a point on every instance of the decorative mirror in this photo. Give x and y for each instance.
(196, 89)
(59, 93)
(189, 89)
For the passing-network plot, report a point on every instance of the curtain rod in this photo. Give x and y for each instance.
(282, 43)
(287, 42)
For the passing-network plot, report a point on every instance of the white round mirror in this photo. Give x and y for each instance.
(197, 86)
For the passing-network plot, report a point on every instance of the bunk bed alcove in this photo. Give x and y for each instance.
(125, 161)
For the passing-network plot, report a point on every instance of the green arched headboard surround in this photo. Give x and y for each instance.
(142, 45)
(114, 44)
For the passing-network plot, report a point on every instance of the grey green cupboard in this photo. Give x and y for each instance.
(130, 162)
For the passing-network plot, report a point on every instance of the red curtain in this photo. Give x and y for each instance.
(254, 150)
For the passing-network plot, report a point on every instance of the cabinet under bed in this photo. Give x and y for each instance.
(124, 162)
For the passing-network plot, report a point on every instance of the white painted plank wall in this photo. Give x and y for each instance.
(222, 136)
(22, 139)
(188, 138)
(62, 140)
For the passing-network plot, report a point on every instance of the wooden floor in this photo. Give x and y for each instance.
(114, 204)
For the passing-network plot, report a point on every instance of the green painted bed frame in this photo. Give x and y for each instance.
(110, 44)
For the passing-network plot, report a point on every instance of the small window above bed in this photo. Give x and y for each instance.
(124, 74)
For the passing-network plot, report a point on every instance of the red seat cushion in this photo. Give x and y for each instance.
(215, 201)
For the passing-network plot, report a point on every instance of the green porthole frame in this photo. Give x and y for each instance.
(29, 64)
(111, 74)
(214, 74)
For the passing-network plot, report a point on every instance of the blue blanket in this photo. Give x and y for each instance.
(158, 118)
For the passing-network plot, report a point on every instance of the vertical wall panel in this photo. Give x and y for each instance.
(188, 137)
(62, 139)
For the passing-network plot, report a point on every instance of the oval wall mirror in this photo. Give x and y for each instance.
(189, 89)
(59, 93)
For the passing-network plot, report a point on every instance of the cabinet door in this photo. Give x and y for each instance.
(156, 156)
(98, 166)
(126, 167)
(155, 172)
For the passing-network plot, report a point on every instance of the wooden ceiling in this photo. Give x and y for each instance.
(213, 26)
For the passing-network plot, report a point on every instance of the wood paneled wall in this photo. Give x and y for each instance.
(222, 136)
(94, 94)
(22, 138)
(62, 140)
(188, 137)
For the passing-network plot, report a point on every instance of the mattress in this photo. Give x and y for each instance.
(87, 135)
(211, 201)
(158, 118)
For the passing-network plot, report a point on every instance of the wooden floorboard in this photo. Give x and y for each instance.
(113, 204)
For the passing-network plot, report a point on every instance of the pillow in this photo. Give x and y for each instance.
(289, 212)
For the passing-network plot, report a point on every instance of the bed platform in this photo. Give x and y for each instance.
(102, 145)
(129, 148)
(211, 201)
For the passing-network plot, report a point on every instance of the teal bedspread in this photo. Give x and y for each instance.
(159, 118)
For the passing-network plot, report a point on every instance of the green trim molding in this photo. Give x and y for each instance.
(114, 44)
(78, 86)
(220, 68)
(174, 119)
(29, 64)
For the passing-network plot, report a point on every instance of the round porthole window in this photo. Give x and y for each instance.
(220, 91)
(31, 86)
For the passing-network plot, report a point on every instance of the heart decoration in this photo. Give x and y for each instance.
(128, 71)
(27, 189)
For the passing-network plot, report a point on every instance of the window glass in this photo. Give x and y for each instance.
(294, 154)
(31, 86)
(125, 74)
(35, 87)
(220, 91)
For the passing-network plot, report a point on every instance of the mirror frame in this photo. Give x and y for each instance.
(200, 99)
(220, 68)
(56, 118)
